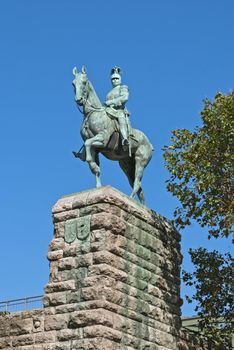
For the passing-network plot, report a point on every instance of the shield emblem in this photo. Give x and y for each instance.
(70, 231)
(83, 227)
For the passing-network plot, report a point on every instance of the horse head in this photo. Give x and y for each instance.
(80, 85)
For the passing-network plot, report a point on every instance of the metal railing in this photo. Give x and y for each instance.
(22, 304)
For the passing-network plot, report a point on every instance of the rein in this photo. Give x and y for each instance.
(85, 99)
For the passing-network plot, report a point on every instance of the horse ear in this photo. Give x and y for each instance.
(83, 70)
(74, 71)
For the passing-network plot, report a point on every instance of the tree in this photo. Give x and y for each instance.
(213, 280)
(201, 165)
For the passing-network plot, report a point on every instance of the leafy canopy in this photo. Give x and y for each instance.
(201, 165)
(213, 280)
(201, 176)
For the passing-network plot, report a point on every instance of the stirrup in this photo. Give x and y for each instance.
(79, 155)
(125, 142)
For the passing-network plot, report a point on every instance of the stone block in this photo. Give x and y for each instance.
(102, 331)
(55, 255)
(5, 322)
(69, 307)
(54, 299)
(60, 286)
(22, 340)
(56, 322)
(19, 326)
(67, 263)
(59, 229)
(74, 296)
(45, 337)
(64, 216)
(99, 280)
(56, 244)
(97, 343)
(84, 260)
(61, 345)
(106, 270)
(5, 343)
(91, 317)
(69, 334)
(107, 222)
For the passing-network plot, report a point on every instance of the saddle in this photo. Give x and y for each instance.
(114, 142)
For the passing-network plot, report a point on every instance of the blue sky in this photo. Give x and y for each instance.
(173, 54)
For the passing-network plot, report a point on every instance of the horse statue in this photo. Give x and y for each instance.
(101, 135)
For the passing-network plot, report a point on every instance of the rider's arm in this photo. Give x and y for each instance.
(121, 99)
(124, 95)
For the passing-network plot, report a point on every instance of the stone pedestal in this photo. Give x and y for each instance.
(114, 280)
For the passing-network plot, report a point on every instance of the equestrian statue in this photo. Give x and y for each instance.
(106, 129)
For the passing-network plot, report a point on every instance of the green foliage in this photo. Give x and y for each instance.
(201, 166)
(213, 280)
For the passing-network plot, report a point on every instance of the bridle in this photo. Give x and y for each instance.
(85, 94)
(84, 99)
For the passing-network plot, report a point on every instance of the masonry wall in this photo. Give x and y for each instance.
(114, 281)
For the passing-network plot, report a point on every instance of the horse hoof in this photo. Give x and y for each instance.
(79, 155)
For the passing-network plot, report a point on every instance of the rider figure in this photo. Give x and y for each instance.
(115, 104)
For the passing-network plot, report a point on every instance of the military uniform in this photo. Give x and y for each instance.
(115, 107)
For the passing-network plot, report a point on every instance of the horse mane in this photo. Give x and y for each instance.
(95, 99)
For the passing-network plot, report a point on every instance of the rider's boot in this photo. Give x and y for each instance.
(123, 132)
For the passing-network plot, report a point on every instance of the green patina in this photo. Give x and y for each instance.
(120, 141)
(77, 228)
(141, 277)
(70, 230)
(81, 273)
(82, 249)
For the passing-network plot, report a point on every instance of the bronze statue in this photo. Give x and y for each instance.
(115, 104)
(104, 130)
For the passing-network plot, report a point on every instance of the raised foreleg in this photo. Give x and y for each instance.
(93, 142)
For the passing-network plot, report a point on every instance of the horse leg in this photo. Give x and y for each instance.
(141, 196)
(98, 171)
(94, 167)
(137, 187)
(142, 157)
(128, 166)
(92, 156)
(95, 141)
